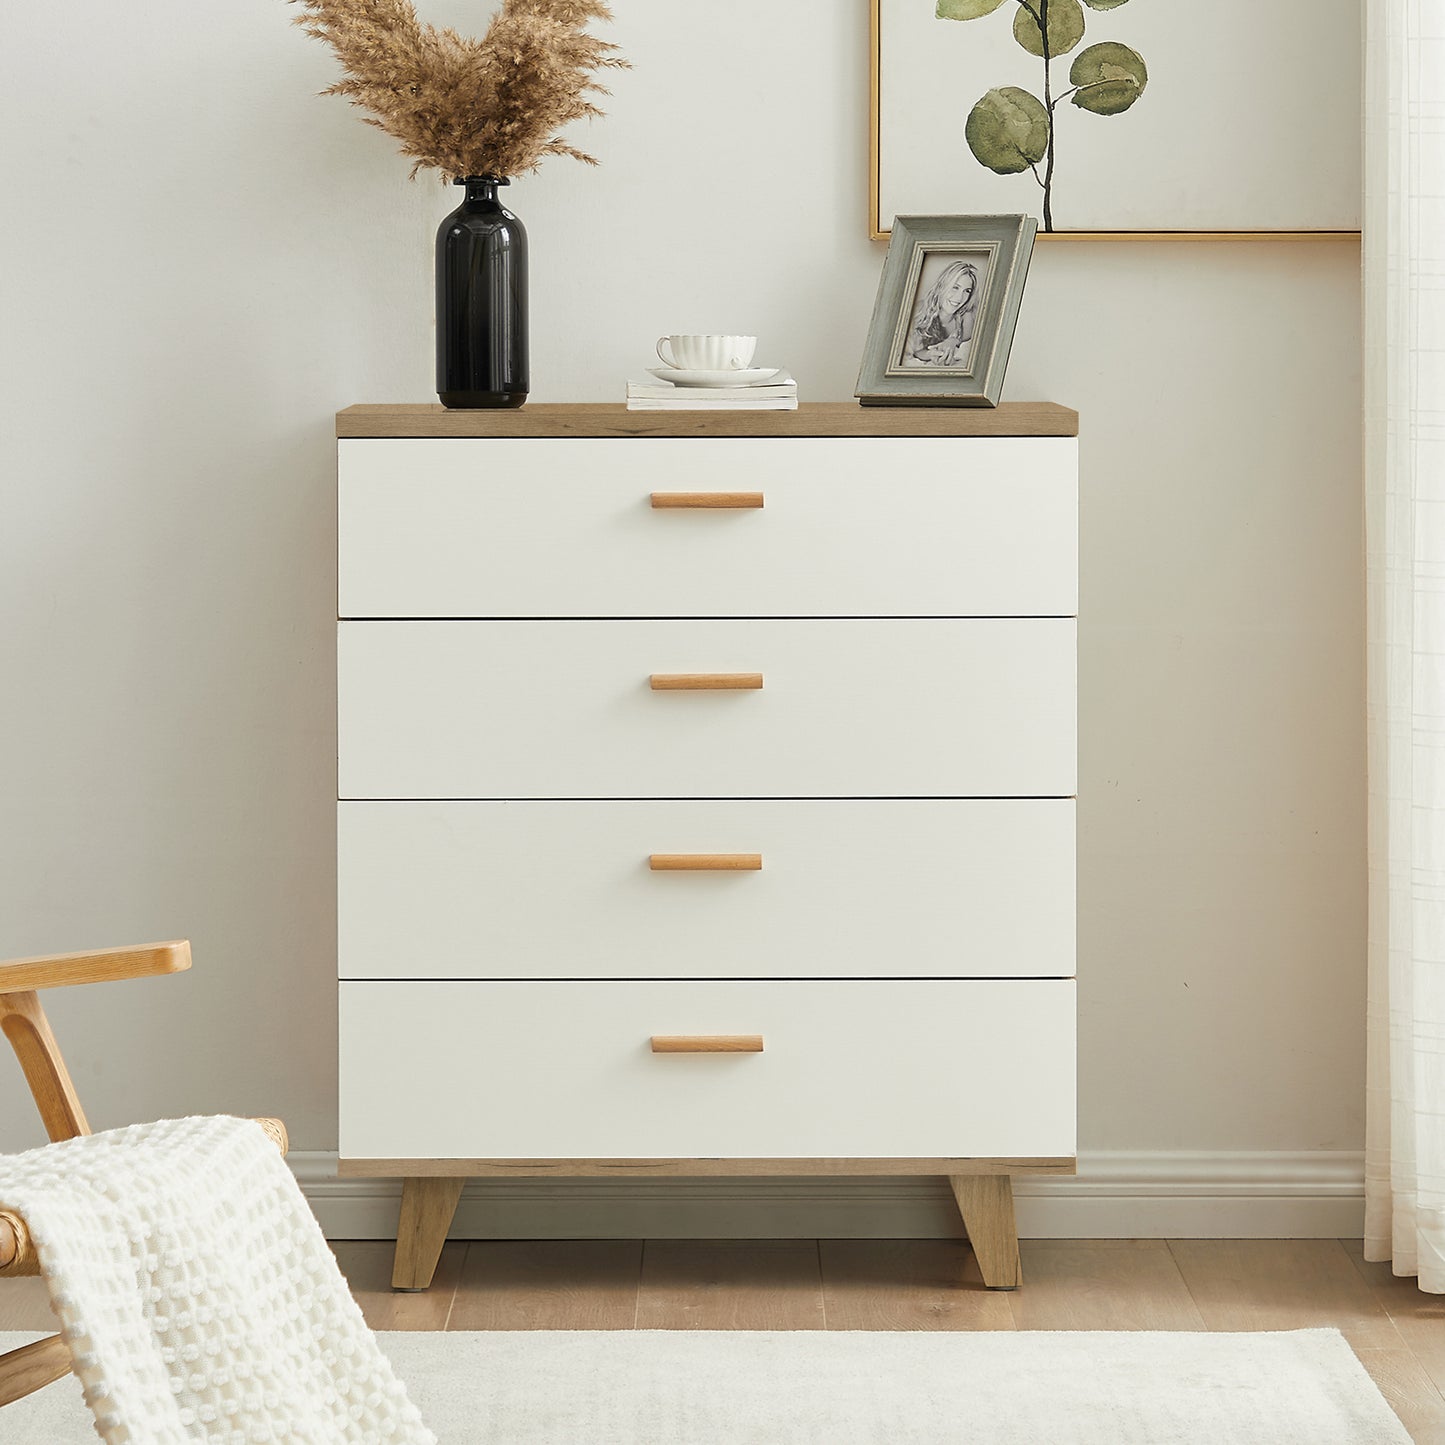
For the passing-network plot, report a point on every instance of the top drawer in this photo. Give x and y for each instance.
(849, 527)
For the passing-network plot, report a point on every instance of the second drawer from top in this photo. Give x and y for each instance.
(807, 527)
(920, 707)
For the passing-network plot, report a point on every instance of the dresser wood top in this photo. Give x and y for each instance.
(612, 419)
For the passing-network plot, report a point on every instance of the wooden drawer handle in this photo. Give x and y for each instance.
(706, 681)
(705, 862)
(715, 501)
(707, 1044)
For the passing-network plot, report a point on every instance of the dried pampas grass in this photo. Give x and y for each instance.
(464, 107)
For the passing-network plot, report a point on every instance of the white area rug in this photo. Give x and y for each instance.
(661, 1387)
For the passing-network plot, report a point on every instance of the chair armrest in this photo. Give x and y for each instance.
(59, 970)
(17, 1253)
(275, 1131)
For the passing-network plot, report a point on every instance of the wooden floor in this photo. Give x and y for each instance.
(1148, 1284)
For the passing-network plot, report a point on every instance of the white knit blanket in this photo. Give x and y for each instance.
(197, 1295)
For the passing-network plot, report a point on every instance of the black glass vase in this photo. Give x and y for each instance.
(482, 301)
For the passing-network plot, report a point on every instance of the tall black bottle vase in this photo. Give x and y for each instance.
(482, 301)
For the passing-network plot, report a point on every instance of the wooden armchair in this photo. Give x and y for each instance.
(23, 1022)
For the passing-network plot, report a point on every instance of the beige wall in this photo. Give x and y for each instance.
(201, 261)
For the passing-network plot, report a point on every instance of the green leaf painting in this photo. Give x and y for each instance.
(966, 9)
(1011, 130)
(1108, 78)
(1066, 27)
(1008, 130)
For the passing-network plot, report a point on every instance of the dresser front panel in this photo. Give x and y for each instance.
(850, 527)
(877, 888)
(852, 1069)
(852, 708)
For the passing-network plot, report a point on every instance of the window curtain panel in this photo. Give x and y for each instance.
(1404, 254)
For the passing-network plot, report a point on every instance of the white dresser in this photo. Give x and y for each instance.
(706, 799)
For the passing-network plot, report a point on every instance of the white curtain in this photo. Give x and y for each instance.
(1405, 528)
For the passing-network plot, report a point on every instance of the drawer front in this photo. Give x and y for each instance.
(851, 708)
(877, 888)
(852, 1069)
(850, 527)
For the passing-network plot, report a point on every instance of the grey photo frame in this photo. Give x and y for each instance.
(917, 356)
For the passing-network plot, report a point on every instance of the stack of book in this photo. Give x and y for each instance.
(778, 394)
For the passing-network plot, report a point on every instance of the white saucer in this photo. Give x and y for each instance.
(747, 376)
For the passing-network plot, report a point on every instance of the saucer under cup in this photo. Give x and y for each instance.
(749, 376)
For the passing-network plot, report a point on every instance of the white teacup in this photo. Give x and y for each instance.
(707, 353)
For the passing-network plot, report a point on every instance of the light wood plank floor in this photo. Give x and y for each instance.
(1145, 1284)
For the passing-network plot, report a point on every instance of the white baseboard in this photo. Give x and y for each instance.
(1116, 1195)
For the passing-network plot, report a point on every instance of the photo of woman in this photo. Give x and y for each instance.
(945, 312)
(947, 305)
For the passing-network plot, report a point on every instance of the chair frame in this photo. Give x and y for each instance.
(23, 1021)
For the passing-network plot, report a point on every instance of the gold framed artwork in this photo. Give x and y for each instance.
(1147, 119)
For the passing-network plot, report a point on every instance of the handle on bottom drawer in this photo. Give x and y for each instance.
(710, 500)
(705, 681)
(705, 862)
(707, 1043)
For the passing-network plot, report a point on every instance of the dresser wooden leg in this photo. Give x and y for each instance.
(986, 1202)
(427, 1207)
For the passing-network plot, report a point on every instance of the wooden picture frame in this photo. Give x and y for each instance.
(948, 302)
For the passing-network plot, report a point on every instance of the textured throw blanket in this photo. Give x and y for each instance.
(197, 1295)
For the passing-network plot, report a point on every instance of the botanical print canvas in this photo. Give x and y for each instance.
(1122, 115)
